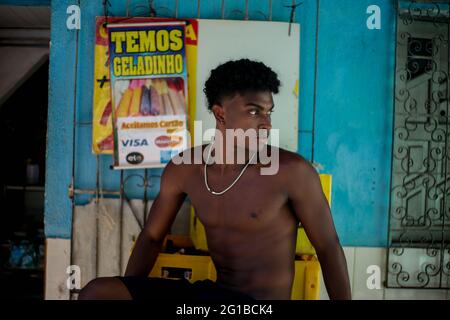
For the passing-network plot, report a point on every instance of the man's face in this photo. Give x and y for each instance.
(251, 110)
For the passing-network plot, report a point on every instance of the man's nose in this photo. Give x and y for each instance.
(265, 124)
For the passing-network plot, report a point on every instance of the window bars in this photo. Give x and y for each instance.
(418, 254)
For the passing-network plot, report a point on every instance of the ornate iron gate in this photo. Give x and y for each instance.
(419, 220)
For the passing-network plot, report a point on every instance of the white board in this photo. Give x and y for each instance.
(268, 42)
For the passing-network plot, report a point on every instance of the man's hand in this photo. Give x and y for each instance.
(312, 209)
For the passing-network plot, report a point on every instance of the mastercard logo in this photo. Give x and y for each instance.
(168, 141)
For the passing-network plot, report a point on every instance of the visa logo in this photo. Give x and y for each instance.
(134, 143)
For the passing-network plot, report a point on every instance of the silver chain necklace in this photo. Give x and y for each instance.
(231, 185)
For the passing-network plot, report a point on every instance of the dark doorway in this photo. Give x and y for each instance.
(23, 130)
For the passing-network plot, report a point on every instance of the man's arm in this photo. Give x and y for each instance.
(160, 219)
(312, 209)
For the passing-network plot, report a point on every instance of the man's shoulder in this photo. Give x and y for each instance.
(182, 167)
(289, 158)
(193, 155)
(297, 173)
(294, 164)
(186, 160)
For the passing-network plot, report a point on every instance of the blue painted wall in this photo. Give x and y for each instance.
(353, 106)
(59, 163)
(353, 133)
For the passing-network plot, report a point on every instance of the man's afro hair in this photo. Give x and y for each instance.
(239, 76)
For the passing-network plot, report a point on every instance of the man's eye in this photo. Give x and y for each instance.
(253, 112)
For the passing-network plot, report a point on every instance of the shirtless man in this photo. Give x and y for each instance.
(251, 228)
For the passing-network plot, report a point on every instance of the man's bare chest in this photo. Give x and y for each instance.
(254, 202)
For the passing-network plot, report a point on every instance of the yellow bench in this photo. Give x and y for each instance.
(192, 267)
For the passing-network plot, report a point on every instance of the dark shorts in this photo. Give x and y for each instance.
(147, 288)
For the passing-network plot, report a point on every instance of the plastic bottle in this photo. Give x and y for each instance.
(32, 172)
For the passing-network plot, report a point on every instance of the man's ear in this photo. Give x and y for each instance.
(219, 113)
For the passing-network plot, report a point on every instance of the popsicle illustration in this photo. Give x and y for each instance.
(136, 83)
(107, 143)
(135, 104)
(106, 114)
(176, 100)
(156, 100)
(166, 100)
(146, 103)
(124, 105)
